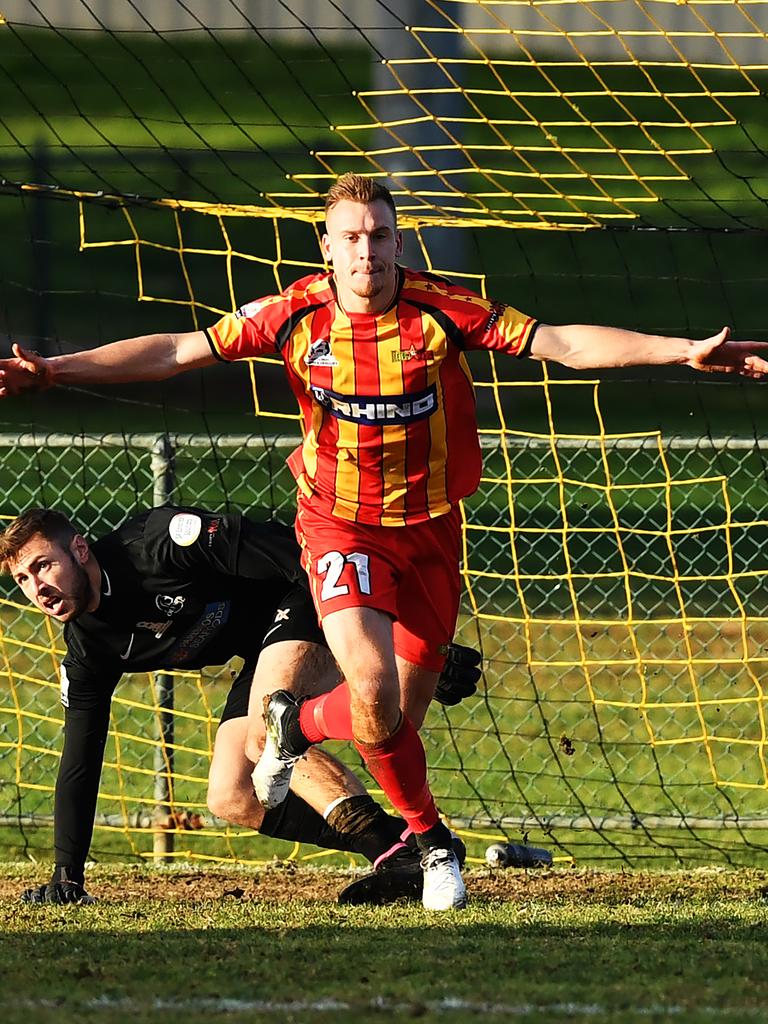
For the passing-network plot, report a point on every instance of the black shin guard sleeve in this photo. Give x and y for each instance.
(437, 837)
(374, 830)
(295, 820)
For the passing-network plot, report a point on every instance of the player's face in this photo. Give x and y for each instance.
(362, 242)
(53, 577)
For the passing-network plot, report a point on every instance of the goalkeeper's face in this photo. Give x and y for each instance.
(362, 243)
(54, 577)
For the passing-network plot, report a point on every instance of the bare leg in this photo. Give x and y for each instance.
(230, 793)
(379, 682)
(417, 688)
(361, 640)
(320, 779)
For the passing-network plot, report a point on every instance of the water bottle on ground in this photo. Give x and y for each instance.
(514, 855)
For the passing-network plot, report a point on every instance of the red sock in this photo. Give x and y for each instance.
(327, 717)
(399, 765)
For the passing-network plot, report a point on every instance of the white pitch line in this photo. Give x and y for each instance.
(268, 1006)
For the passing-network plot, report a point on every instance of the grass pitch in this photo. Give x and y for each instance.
(198, 945)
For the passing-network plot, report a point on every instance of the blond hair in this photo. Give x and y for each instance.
(43, 522)
(359, 188)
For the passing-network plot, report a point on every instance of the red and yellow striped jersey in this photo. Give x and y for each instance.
(386, 399)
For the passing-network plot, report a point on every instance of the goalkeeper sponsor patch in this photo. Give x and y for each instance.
(185, 528)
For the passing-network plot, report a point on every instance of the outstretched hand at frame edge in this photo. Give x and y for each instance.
(25, 371)
(719, 354)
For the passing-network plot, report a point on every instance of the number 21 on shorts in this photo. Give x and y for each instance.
(331, 566)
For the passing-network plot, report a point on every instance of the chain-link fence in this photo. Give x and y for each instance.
(616, 588)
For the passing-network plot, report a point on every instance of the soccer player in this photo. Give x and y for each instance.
(375, 354)
(183, 588)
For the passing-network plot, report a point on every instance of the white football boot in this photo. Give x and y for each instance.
(444, 887)
(272, 775)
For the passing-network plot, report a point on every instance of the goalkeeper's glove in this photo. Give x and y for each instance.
(66, 886)
(459, 676)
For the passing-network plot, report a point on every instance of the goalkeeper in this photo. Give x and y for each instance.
(182, 589)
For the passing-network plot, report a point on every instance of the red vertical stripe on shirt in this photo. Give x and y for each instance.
(418, 441)
(370, 444)
(322, 377)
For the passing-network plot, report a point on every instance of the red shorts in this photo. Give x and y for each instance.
(410, 572)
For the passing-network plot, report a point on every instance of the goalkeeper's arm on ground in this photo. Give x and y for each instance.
(77, 787)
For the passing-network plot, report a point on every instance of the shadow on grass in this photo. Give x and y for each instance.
(291, 960)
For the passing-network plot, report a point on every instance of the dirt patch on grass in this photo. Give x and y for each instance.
(283, 882)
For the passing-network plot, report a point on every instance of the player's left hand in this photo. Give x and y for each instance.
(59, 893)
(460, 675)
(719, 354)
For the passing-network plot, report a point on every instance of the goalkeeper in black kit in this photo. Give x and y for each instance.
(184, 588)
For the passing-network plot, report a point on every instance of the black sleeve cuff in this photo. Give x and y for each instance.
(216, 353)
(526, 349)
(69, 873)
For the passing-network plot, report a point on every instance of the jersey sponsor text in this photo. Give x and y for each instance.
(378, 409)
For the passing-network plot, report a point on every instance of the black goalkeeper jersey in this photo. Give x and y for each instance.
(181, 588)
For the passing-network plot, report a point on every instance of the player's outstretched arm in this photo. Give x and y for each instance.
(585, 347)
(148, 358)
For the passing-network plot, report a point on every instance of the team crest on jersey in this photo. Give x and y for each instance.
(404, 355)
(170, 605)
(378, 410)
(320, 354)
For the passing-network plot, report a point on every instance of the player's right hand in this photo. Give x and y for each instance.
(58, 892)
(26, 371)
